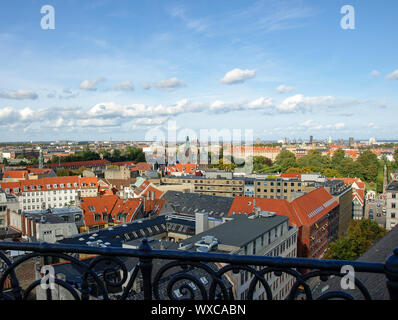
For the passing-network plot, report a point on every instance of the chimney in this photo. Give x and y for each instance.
(201, 222)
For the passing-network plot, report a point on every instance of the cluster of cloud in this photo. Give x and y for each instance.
(124, 86)
(91, 85)
(312, 125)
(112, 114)
(238, 76)
(65, 94)
(285, 89)
(170, 84)
(194, 24)
(19, 95)
(392, 76)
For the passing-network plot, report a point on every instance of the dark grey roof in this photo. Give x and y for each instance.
(44, 217)
(9, 233)
(375, 283)
(393, 186)
(190, 203)
(240, 231)
(117, 235)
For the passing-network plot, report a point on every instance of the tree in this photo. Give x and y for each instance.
(261, 164)
(368, 165)
(337, 158)
(285, 160)
(314, 158)
(361, 235)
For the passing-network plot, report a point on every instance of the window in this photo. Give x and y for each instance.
(393, 205)
(393, 195)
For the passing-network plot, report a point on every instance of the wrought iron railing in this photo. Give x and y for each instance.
(155, 274)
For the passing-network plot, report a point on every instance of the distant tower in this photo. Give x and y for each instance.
(41, 158)
(311, 139)
(188, 151)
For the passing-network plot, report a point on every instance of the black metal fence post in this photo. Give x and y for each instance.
(392, 275)
(146, 270)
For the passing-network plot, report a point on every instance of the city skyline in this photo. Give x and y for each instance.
(284, 69)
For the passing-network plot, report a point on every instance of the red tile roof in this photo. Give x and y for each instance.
(39, 171)
(79, 164)
(183, 168)
(305, 210)
(15, 174)
(52, 183)
(141, 166)
(117, 208)
(124, 163)
(291, 175)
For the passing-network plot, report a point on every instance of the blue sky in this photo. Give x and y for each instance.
(120, 68)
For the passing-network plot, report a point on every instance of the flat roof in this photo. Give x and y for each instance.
(241, 230)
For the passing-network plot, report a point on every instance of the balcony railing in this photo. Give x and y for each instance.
(160, 272)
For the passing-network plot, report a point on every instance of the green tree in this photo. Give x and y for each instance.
(368, 165)
(361, 235)
(285, 160)
(314, 158)
(337, 158)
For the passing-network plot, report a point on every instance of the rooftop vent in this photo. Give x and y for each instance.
(267, 214)
(206, 244)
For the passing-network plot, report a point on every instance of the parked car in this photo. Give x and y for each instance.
(371, 214)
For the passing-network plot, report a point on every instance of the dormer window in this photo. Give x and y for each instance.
(62, 185)
(68, 185)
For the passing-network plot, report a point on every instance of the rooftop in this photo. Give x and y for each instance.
(240, 231)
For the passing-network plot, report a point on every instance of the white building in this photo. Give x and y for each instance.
(54, 192)
(392, 205)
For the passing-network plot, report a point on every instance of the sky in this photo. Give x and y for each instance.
(120, 69)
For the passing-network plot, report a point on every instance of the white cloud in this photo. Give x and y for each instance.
(285, 89)
(98, 122)
(91, 85)
(307, 123)
(339, 125)
(124, 86)
(195, 24)
(238, 76)
(375, 73)
(152, 121)
(169, 84)
(301, 103)
(311, 125)
(393, 75)
(145, 85)
(220, 106)
(261, 103)
(19, 95)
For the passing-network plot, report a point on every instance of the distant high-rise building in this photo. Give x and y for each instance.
(311, 139)
(350, 141)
